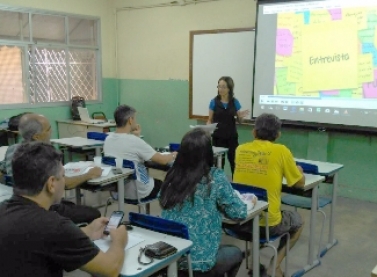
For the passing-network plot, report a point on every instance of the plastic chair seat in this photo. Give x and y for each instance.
(136, 202)
(247, 236)
(304, 202)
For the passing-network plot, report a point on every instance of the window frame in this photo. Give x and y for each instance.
(25, 44)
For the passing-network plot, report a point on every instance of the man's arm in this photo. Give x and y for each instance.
(300, 183)
(72, 182)
(110, 264)
(163, 159)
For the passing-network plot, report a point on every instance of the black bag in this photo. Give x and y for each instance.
(77, 101)
(157, 250)
(14, 121)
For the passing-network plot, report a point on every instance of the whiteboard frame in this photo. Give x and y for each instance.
(193, 34)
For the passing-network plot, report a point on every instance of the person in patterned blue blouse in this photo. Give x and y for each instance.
(197, 194)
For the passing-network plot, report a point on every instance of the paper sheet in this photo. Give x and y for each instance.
(209, 127)
(247, 199)
(104, 244)
(76, 168)
(105, 170)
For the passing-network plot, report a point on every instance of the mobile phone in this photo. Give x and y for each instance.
(114, 221)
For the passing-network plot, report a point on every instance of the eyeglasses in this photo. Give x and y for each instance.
(222, 87)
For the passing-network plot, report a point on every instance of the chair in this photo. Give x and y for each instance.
(164, 226)
(142, 203)
(96, 135)
(247, 237)
(304, 202)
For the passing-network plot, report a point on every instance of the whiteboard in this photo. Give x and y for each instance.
(218, 53)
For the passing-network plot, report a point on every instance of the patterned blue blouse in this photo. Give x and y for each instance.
(203, 218)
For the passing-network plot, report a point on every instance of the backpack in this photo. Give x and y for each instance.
(77, 101)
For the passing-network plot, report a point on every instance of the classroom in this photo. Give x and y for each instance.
(145, 63)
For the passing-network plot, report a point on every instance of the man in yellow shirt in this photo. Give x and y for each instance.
(263, 163)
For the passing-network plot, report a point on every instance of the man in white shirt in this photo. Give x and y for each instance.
(125, 143)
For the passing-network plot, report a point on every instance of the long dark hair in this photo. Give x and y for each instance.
(230, 84)
(192, 164)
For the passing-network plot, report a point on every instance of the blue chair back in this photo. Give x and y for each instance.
(159, 224)
(126, 164)
(96, 135)
(308, 168)
(258, 192)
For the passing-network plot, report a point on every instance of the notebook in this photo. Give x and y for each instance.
(84, 115)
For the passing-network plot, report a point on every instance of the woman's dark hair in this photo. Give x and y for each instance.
(33, 163)
(267, 127)
(191, 166)
(230, 84)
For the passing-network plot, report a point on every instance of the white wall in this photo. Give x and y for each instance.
(153, 43)
(101, 8)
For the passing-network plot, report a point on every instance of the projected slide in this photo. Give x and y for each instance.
(345, 64)
(316, 61)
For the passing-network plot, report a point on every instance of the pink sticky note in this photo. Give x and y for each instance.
(370, 89)
(336, 14)
(284, 42)
(330, 92)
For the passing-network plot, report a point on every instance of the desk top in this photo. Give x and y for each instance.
(5, 190)
(111, 177)
(219, 150)
(131, 268)
(3, 150)
(259, 207)
(78, 142)
(78, 122)
(324, 168)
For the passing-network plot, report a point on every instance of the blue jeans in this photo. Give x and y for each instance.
(229, 259)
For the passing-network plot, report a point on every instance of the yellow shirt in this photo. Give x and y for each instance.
(263, 164)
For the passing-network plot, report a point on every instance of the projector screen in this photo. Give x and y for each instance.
(316, 61)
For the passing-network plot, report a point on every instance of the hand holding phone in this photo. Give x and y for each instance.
(114, 221)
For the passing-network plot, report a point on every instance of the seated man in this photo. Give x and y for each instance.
(263, 163)
(37, 242)
(35, 127)
(126, 144)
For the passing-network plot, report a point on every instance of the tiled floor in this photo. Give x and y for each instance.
(354, 256)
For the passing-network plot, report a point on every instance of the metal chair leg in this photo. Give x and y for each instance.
(247, 254)
(322, 230)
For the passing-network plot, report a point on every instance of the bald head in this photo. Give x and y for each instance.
(35, 127)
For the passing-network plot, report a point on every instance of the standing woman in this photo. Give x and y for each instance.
(223, 110)
(197, 194)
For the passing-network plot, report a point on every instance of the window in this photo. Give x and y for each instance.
(48, 58)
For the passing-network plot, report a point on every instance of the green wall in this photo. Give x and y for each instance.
(163, 114)
(162, 108)
(109, 92)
